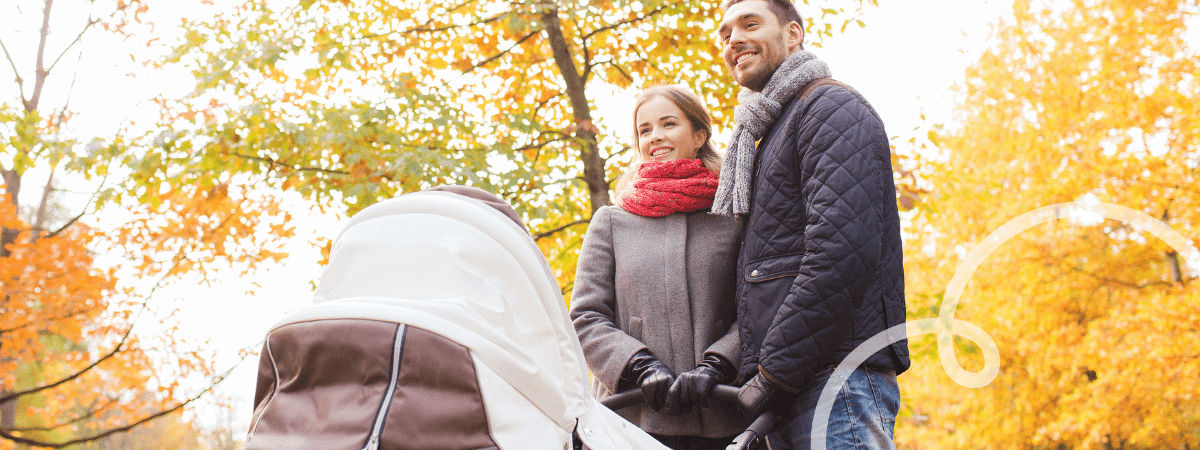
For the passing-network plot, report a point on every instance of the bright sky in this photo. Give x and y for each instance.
(904, 62)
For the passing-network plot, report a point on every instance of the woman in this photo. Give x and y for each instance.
(653, 292)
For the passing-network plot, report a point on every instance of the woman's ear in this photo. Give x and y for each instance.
(701, 136)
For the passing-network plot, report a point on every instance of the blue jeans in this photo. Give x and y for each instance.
(863, 414)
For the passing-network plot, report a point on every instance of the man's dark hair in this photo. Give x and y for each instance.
(784, 10)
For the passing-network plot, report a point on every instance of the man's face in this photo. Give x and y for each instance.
(754, 43)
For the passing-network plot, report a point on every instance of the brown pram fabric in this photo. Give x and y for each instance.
(322, 384)
(437, 404)
(437, 324)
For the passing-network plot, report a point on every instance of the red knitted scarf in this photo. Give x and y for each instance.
(662, 188)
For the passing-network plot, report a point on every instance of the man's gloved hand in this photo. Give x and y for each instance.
(696, 385)
(758, 395)
(652, 376)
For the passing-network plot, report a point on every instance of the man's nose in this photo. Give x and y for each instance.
(737, 38)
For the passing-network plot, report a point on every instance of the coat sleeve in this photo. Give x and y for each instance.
(606, 347)
(843, 238)
(728, 346)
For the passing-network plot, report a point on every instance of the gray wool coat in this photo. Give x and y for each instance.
(665, 284)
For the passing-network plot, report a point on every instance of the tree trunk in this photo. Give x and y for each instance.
(8, 413)
(585, 130)
(12, 186)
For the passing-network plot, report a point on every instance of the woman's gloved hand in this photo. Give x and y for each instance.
(695, 386)
(652, 376)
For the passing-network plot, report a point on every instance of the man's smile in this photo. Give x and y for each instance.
(737, 60)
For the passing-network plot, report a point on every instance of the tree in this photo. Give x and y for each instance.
(171, 431)
(72, 287)
(1097, 322)
(354, 102)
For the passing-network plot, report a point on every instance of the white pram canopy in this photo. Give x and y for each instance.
(458, 268)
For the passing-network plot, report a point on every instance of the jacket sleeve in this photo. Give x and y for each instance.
(841, 178)
(606, 347)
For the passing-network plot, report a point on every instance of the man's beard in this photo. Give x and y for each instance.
(757, 78)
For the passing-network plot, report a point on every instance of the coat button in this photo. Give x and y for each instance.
(754, 273)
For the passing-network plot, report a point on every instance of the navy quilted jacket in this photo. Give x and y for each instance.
(821, 262)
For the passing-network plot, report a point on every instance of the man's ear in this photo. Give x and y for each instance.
(793, 36)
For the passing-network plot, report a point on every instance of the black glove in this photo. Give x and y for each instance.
(696, 385)
(652, 376)
(760, 394)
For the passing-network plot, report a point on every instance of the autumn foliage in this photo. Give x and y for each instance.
(86, 349)
(346, 103)
(349, 103)
(57, 322)
(1097, 322)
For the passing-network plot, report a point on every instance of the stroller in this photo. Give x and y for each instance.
(437, 324)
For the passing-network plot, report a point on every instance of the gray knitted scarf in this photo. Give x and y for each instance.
(755, 115)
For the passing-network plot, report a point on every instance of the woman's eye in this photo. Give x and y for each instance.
(644, 131)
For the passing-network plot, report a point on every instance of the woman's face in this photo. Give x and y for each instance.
(664, 133)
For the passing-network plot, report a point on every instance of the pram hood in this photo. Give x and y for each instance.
(456, 267)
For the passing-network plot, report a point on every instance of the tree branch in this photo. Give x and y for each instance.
(624, 148)
(38, 443)
(124, 338)
(624, 22)
(440, 29)
(16, 72)
(554, 230)
(92, 199)
(68, 224)
(12, 395)
(1095, 276)
(624, 73)
(587, 53)
(275, 163)
(539, 146)
(92, 409)
(78, 38)
(68, 315)
(498, 55)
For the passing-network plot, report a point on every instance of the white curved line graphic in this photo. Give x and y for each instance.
(946, 326)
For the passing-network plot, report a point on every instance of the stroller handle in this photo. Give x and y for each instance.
(722, 393)
(749, 439)
(755, 434)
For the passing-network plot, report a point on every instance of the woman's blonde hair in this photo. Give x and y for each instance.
(697, 116)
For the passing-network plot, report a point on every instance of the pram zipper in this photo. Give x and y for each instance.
(397, 351)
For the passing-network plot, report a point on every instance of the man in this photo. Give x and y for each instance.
(820, 268)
